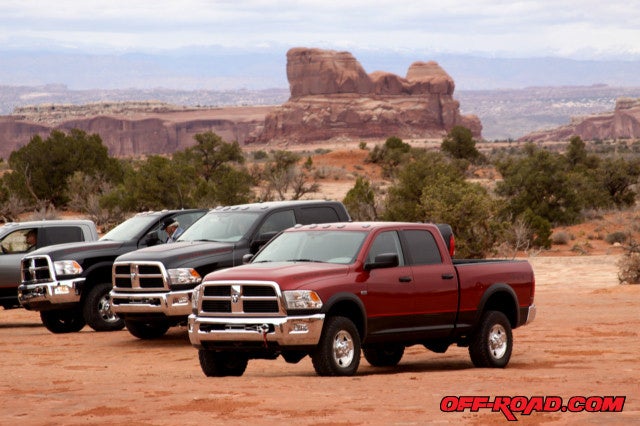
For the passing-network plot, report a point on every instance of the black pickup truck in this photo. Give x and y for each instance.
(152, 287)
(69, 283)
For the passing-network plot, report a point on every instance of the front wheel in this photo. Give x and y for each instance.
(97, 309)
(338, 352)
(63, 321)
(220, 364)
(146, 329)
(492, 343)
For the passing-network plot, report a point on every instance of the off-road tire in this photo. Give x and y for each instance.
(492, 342)
(220, 364)
(384, 356)
(338, 352)
(97, 309)
(63, 321)
(146, 330)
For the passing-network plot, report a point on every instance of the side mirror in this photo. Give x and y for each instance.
(152, 239)
(384, 260)
(262, 239)
(247, 258)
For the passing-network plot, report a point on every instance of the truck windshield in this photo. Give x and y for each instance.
(130, 229)
(313, 246)
(221, 226)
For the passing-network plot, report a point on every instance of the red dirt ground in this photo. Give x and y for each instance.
(584, 342)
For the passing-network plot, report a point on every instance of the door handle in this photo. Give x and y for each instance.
(447, 276)
(405, 279)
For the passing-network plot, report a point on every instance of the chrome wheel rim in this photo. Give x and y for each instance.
(497, 341)
(343, 349)
(104, 309)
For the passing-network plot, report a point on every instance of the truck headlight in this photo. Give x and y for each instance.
(195, 298)
(180, 276)
(302, 299)
(67, 267)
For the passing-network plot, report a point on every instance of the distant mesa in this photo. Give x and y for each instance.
(333, 97)
(622, 123)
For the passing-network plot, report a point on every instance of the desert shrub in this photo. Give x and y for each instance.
(629, 268)
(260, 155)
(459, 144)
(560, 238)
(616, 237)
(360, 200)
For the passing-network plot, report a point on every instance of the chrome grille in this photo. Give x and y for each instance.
(36, 270)
(139, 276)
(240, 298)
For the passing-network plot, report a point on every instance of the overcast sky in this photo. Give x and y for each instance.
(579, 29)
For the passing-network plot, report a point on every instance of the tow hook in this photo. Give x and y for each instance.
(264, 328)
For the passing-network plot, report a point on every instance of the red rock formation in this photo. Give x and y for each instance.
(622, 123)
(140, 133)
(333, 97)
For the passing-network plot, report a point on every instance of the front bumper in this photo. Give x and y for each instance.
(171, 304)
(282, 331)
(43, 295)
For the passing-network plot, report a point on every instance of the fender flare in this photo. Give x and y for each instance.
(340, 297)
(492, 290)
(105, 265)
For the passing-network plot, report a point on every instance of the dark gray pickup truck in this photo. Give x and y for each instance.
(18, 239)
(69, 284)
(152, 287)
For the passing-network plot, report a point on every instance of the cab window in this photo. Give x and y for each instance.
(386, 242)
(423, 249)
(20, 241)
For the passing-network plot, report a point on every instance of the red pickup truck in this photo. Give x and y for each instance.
(333, 291)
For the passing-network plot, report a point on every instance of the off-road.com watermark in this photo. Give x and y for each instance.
(510, 405)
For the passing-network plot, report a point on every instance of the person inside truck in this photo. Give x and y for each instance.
(31, 239)
(173, 230)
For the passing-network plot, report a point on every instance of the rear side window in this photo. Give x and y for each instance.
(278, 221)
(60, 234)
(324, 214)
(423, 249)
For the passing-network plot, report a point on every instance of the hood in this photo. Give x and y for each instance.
(73, 250)
(179, 253)
(288, 275)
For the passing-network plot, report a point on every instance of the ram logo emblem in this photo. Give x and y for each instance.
(235, 293)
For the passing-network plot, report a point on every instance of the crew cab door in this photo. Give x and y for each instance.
(435, 297)
(389, 290)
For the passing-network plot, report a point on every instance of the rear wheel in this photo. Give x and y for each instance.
(220, 364)
(146, 329)
(97, 309)
(492, 343)
(338, 352)
(384, 356)
(63, 321)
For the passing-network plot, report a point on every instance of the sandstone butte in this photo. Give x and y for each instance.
(332, 97)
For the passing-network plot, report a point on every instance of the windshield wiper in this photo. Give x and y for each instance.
(306, 260)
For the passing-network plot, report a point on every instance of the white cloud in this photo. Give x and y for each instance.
(581, 28)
